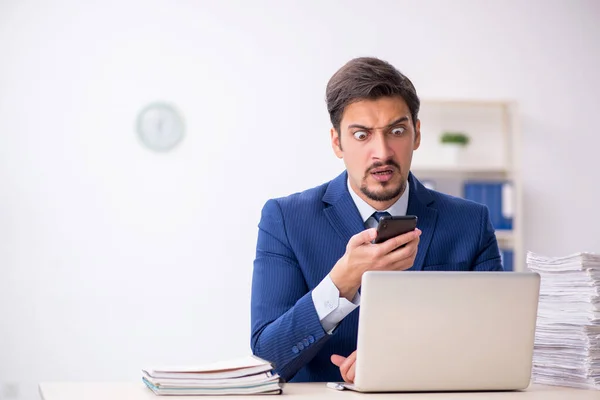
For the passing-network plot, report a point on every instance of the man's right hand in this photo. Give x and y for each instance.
(347, 366)
(362, 255)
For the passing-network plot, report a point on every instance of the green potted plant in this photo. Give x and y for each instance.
(459, 138)
(453, 144)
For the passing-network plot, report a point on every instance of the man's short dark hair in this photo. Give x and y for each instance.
(368, 78)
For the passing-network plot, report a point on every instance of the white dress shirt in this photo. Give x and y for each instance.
(331, 308)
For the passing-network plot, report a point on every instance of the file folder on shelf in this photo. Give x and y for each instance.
(497, 196)
(507, 259)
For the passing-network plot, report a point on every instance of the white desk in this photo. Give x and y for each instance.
(299, 391)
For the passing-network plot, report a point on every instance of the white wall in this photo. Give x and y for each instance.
(114, 257)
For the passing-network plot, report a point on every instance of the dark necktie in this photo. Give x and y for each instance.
(377, 215)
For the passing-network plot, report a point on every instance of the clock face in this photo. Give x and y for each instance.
(160, 127)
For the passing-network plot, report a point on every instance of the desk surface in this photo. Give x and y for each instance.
(298, 391)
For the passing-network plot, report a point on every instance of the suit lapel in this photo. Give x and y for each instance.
(342, 212)
(419, 204)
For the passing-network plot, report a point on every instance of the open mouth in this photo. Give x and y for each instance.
(382, 174)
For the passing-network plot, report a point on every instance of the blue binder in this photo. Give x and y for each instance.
(490, 194)
(507, 259)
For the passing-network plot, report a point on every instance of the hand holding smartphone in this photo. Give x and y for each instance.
(359, 257)
(392, 226)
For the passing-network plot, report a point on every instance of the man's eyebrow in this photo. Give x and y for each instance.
(366, 128)
(399, 120)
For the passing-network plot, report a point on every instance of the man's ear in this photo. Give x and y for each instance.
(336, 145)
(417, 135)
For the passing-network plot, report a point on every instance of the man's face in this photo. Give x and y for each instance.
(376, 142)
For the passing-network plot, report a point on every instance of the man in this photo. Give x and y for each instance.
(314, 246)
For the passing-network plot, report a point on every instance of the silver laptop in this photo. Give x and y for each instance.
(446, 331)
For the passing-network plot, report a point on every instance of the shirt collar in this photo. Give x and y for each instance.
(397, 209)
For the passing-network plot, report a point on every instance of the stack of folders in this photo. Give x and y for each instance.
(567, 338)
(249, 375)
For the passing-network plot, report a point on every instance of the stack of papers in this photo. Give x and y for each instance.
(567, 338)
(249, 375)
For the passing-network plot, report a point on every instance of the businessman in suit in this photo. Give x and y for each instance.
(314, 246)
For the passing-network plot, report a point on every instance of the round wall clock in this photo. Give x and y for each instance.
(160, 127)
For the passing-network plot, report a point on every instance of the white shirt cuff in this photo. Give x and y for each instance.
(331, 308)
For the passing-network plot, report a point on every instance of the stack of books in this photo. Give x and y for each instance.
(248, 375)
(567, 337)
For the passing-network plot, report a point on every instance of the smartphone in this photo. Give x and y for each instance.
(391, 226)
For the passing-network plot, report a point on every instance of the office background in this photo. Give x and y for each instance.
(114, 257)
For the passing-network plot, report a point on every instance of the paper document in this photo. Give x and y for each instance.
(567, 337)
(247, 375)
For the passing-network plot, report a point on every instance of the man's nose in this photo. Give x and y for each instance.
(381, 147)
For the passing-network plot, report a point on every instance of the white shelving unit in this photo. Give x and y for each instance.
(493, 154)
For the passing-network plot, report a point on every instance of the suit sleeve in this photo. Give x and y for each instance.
(285, 326)
(488, 257)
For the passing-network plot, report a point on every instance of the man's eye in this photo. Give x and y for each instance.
(360, 135)
(398, 131)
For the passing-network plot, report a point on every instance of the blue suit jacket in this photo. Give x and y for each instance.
(300, 239)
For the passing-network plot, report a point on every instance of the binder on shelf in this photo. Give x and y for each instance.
(497, 196)
(507, 257)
